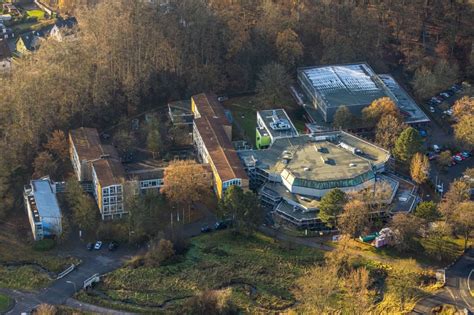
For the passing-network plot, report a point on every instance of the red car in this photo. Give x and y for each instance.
(461, 156)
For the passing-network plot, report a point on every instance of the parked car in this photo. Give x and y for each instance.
(98, 245)
(221, 225)
(90, 246)
(432, 156)
(444, 95)
(466, 154)
(440, 188)
(436, 148)
(457, 158)
(439, 98)
(113, 246)
(422, 132)
(461, 156)
(435, 100)
(205, 229)
(432, 109)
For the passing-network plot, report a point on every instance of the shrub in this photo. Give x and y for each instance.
(159, 253)
(44, 245)
(210, 302)
(46, 309)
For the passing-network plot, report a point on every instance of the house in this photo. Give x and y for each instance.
(9, 8)
(28, 42)
(355, 86)
(63, 29)
(212, 135)
(100, 170)
(44, 213)
(5, 57)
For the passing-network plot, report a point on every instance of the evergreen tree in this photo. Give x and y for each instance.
(408, 143)
(332, 205)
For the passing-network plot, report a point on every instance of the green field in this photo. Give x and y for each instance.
(21, 267)
(39, 14)
(257, 271)
(5, 303)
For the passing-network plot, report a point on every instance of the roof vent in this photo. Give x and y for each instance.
(352, 165)
(306, 169)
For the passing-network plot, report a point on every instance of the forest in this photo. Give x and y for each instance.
(129, 57)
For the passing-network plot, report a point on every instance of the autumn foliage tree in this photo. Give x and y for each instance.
(343, 118)
(379, 108)
(388, 129)
(58, 145)
(355, 218)
(186, 182)
(420, 168)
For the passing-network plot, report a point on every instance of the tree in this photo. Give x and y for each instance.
(464, 219)
(44, 165)
(186, 182)
(379, 108)
(427, 210)
(420, 168)
(444, 158)
(243, 207)
(407, 144)
(428, 82)
(355, 218)
(387, 130)
(46, 309)
(331, 206)
(57, 144)
(459, 192)
(464, 131)
(406, 228)
(84, 210)
(273, 85)
(289, 48)
(463, 107)
(343, 118)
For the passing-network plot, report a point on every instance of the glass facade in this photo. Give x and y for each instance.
(331, 184)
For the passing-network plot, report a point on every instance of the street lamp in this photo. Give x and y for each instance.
(70, 282)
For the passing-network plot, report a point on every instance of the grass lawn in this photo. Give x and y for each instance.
(257, 271)
(244, 113)
(20, 265)
(5, 303)
(39, 14)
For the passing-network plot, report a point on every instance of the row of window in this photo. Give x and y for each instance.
(112, 200)
(112, 209)
(233, 182)
(112, 190)
(153, 183)
(322, 185)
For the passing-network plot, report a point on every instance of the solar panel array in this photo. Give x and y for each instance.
(353, 78)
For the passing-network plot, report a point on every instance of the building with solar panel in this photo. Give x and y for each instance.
(355, 86)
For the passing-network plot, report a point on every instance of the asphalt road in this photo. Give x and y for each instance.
(93, 262)
(459, 278)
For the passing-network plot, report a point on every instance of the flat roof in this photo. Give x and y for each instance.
(277, 189)
(277, 123)
(109, 172)
(208, 106)
(408, 107)
(45, 198)
(349, 84)
(297, 213)
(303, 156)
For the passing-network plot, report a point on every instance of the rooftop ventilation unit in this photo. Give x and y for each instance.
(350, 148)
(279, 124)
(352, 165)
(306, 169)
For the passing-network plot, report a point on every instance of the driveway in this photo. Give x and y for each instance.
(459, 278)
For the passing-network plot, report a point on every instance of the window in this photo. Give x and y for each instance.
(112, 190)
(119, 189)
(106, 191)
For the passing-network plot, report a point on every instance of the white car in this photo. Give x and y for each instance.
(432, 109)
(98, 245)
(439, 188)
